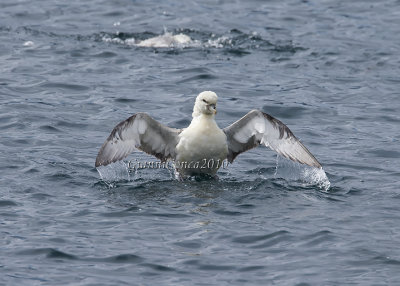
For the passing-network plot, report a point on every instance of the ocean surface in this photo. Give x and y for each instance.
(72, 70)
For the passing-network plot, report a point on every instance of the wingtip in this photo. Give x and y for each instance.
(97, 163)
(316, 164)
(312, 162)
(319, 166)
(100, 160)
(103, 161)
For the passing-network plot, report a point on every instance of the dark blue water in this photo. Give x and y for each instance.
(71, 70)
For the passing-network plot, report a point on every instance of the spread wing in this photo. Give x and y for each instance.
(257, 128)
(140, 131)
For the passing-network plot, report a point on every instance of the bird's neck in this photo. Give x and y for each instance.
(204, 119)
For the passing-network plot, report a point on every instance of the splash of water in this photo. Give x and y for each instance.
(308, 176)
(184, 39)
(166, 40)
(117, 171)
(285, 169)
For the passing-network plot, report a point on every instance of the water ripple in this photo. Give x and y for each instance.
(49, 253)
(53, 253)
(274, 237)
(7, 203)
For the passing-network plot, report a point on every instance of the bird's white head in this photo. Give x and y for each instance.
(206, 103)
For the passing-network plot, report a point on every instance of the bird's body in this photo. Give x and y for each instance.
(202, 146)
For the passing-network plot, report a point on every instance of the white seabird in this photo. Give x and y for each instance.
(194, 148)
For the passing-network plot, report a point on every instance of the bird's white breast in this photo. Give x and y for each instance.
(202, 142)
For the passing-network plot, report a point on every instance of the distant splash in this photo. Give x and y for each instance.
(308, 176)
(166, 40)
(186, 38)
(234, 41)
(170, 40)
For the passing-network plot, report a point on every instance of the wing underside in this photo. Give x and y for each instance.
(257, 128)
(138, 132)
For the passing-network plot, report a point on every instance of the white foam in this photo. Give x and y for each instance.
(218, 42)
(28, 44)
(114, 40)
(166, 40)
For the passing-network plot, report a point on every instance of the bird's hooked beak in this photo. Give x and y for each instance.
(212, 107)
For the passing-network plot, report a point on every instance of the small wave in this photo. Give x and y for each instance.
(48, 252)
(53, 253)
(254, 239)
(317, 238)
(7, 203)
(121, 258)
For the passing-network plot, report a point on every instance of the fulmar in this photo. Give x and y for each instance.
(200, 148)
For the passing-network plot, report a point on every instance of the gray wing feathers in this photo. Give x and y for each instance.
(142, 132)
(257, 128)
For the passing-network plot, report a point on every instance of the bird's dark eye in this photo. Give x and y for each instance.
(205, 101)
